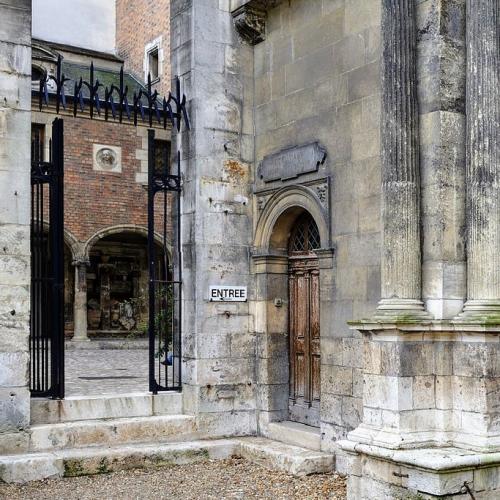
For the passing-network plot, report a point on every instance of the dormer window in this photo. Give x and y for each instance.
(37, 73)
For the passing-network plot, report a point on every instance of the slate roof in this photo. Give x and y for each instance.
(106, 77)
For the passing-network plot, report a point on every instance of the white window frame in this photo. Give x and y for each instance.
(153, 45)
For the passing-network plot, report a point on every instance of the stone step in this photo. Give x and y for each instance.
(76, 408)
(295, 434)
(290, 459)
(164, 428)
(85, 461)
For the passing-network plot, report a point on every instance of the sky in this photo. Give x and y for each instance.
(83, 23)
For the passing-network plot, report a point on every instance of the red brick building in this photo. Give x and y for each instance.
(143, 39)
(105, 184)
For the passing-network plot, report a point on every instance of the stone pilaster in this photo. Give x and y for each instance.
(483, 160)
(441, 100)
(80, 304)
(15, 191)
(401, 255)
(216, 72)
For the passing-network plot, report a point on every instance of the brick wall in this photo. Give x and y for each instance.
(138, 23)
(96, 200)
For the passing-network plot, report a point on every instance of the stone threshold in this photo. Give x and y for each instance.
(76, 408)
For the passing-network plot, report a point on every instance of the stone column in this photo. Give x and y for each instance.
(483, 160)
(105, 271)
(80, 301)
(401, 255)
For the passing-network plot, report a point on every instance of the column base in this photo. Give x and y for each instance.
(401, 310)
(376, 472)
(480, 311)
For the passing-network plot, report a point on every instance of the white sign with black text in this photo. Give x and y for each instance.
(228, 294)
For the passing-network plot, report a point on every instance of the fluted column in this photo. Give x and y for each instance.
(483, 159)
(401, 254)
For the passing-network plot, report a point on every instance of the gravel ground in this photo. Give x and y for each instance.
(232, 479)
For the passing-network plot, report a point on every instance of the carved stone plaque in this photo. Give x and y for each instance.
(107, 158)
(292, 162)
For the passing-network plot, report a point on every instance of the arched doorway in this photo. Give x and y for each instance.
(304, 321)
(292, 257)
(117, 283)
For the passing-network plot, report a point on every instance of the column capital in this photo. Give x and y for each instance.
(80, 261)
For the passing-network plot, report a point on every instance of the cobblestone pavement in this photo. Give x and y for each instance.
(228, 479)
(106, 371)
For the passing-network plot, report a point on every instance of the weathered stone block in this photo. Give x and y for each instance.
(360, 14)
(352, 412)
(14, 409)
(386, 392)
(349, 53)
(310, 70)
(237, 423)
(14, 15)
(331, 408)
(13, 369)
(424, 392)
(336, 380)
(363, 82)
(15, 59)
(272, 397)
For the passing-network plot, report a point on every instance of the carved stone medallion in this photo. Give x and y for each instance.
(107, 158)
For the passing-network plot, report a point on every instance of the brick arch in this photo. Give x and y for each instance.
(69, 240)
(121, 228)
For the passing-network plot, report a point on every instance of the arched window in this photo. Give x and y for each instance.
(304, 238)
(37, 73)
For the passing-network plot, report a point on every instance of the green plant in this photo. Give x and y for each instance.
(163, 319)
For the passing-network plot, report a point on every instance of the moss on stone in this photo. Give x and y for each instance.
(73, 468)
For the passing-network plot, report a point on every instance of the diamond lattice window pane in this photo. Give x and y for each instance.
(314, 239)
(305, 235)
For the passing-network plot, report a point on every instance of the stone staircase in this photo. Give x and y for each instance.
(92, 435)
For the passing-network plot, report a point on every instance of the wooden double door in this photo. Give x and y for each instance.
(304, 340)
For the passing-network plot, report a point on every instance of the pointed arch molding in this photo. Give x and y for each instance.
(286, 200)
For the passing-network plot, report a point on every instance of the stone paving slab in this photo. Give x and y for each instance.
(106, 371)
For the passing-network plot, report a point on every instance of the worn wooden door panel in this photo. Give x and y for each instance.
(304, 332)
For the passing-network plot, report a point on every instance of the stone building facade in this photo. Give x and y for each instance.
(404, 199)
(342, 165)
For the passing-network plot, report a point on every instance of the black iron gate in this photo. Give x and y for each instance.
(165, 309)
(47, 266)
(47, 226)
